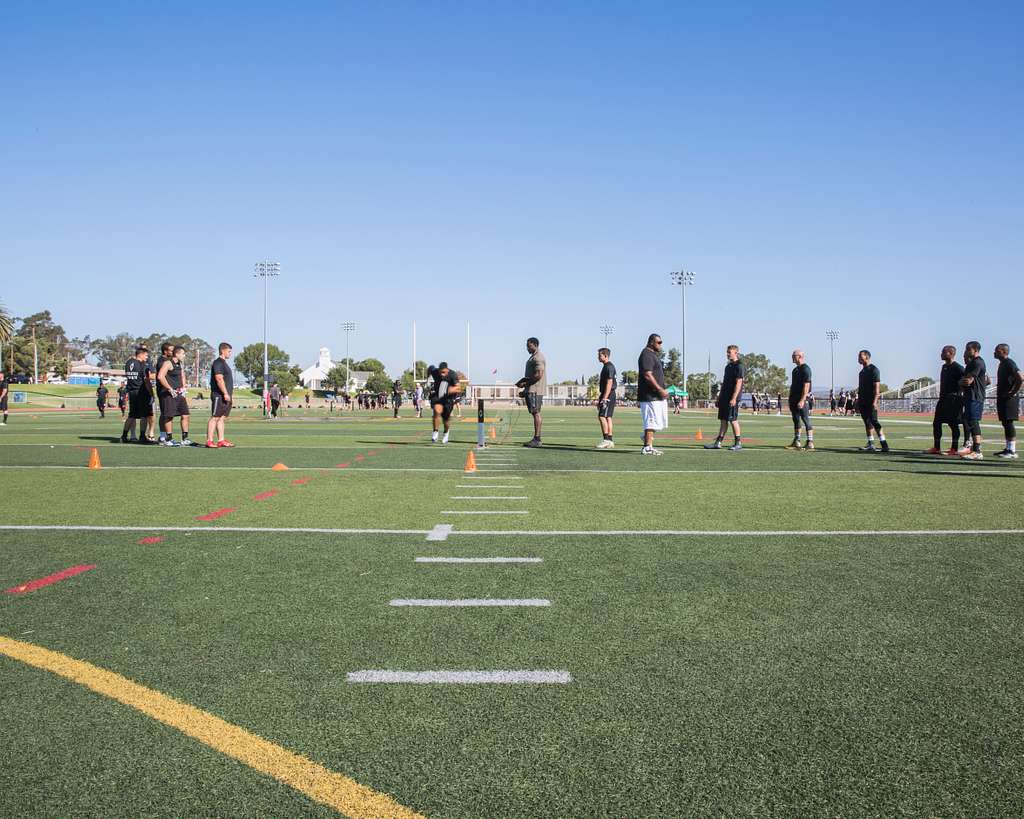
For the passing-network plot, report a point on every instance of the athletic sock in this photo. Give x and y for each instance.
(937, 435)
(738, 438)
(1011, 446)
(720, 438)
(881, 435)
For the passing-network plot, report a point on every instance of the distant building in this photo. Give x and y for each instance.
(313, 378)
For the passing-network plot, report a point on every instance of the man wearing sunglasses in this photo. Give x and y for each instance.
(651, 393)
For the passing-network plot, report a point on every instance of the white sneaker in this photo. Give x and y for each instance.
(650, 450)
(606, 444)
(433, 438)
(3, 423)
(1007, 455)
(444, 440)
(188, 442)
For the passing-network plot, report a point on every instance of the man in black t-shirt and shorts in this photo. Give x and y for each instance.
(869, 391)
(101, 400)
(651, 393)
(606, 398)
(173, 401)
(973, 385)
(800, 402)
(1008, 382)
(948, 407)
(729, 400)
(443, 390)
(222, 387)
(140, 398)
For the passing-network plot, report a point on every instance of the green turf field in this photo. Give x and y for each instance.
(757, 633)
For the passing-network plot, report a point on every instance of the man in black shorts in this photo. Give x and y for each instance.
(173, 398)
(3, 397)
(101, 400)
(222, 387)
(443, 389)
(140, 397)
(534, 384)
(948, 409)
(974, 385)
(869, 391)
(396, 396)
(606, 398)
(800, 402)
(166, 351)
(729, 400)
(122, 400)
(1008, 382)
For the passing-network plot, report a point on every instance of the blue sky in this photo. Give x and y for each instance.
(535, 168)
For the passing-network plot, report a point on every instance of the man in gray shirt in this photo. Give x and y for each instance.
(534, 384)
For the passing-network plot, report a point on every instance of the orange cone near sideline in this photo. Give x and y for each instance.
(700, 434)
(494, 434)
(279, 468)
(471, 462)
(94, 459)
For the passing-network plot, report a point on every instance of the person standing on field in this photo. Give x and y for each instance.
(101, 400)
(800, 401)
(3, 397)
(949, 407)
(869, 391)
(535, 384)
(222, 390)
(1008, 382)
(140, 398)
(651, 393)
(729, 400)
(606, 398)
(275, 400)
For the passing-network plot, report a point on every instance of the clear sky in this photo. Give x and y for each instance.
(536, 168)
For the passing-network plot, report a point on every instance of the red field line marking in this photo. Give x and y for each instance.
(219, 513)
(372, 453)
(342, 466)
(358, 458)
(264, 495)
(32, 585)
(148, 541)
(301, 481)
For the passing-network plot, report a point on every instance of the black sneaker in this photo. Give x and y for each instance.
(124, 439)
(885, 447)
(533, 443)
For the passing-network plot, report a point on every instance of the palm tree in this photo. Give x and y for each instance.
(6, 325)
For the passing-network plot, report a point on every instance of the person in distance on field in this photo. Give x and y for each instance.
(869, 391)
(948, 407)
(3, 397)
(396, 396)
(651, 393)
(275, 400)
(222, 387)
(444, 388)
(1008, 382)
(101, 400)
(973, 383)
(729, 400)
(606, 398)
(535, 384)
(800, 401)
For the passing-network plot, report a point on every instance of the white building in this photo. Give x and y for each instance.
(313, 377)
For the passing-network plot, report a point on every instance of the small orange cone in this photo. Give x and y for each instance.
(700, 434)
(471, 462)
(494, 434)
(94, 459)
(279, 468)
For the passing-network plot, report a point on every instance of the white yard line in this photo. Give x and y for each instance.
(473, 602)
(479, 560)
(489, 497)
(483, 512)
(511, 677)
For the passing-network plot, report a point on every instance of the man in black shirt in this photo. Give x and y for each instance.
(3, 397)
(651, 393)
(396, 396)
(122, 400)
(140, 397)
(869, 390)
(948, 408)
(729, 400)
(101, 400)
(222, 388)
(173, 399)
(973, 385)
(166, 351)
(606, 398)
(1008, 382)
(800, 401)
(444, 388)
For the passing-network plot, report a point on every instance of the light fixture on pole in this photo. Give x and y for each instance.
(684, 278)
(264, 270)
(348, 327)
(607, 329)
(833, 337)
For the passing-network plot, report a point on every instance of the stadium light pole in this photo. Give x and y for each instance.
(608, 330)
(348, 327)
(265, 270)
(684, 278)
(833, 337)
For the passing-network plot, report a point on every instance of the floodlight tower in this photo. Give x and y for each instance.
(684, 278)
(833, 337)
(608, 330)
(264, 270)
(348, 327)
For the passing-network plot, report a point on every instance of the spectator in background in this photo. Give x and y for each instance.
(101, 400)
(275, 400)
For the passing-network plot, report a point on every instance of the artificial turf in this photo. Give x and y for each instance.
(727, 675)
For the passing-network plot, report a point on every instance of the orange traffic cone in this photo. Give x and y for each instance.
(94, 459)
(471, 462)
(494, 434)
(279, 468)
(700, 434)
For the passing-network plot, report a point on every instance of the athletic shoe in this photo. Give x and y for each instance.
(433, 438)
(1006, 455)
(869, 448)
(952, 451)
(166, 442)
(188, 442)
(736, 448)
(533, 443)
(965, 451)
(172, 442)
(3, 423)
(650, 450)
(224, 444)
(606, 444)
(933, 451)
(124, 439)
(885, 447)
(713, 445)
(211, 444)
(444, 440)
(809, 446)
(794, 444)
(972, 456)
(147, 441)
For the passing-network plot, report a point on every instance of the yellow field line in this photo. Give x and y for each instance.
(318, 783)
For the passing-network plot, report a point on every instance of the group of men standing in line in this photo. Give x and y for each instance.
(167, 379)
